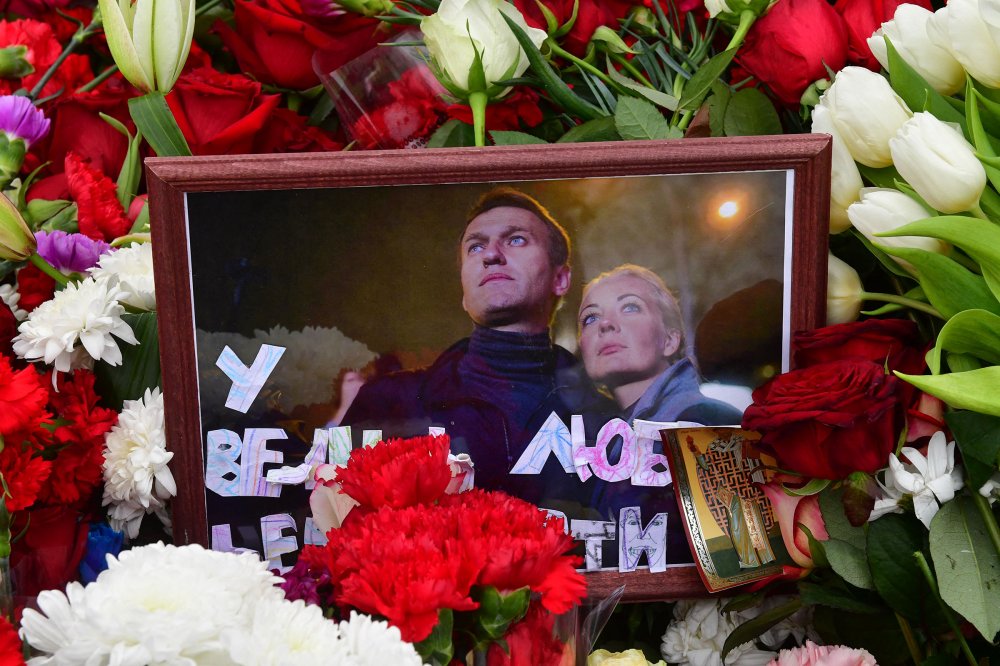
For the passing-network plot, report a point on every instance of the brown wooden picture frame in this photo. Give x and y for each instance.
(170, 180)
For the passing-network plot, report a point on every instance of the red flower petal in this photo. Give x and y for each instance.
(99, 212)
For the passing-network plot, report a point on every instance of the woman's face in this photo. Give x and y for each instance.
(622, 335)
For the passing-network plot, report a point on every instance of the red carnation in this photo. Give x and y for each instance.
(99, 213)
(23, 398)
(43, 50)
(34, 286)
(8, 329)
(23, 473)
(10, 645)
(398, 472)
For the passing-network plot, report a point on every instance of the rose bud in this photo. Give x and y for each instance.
(908, 33)
(959, 27)
(149, 40)
(793, 513)
(843, 292)
(845, 180)
(883, 209)
(17, 243)
(866, 112)
(939, 163)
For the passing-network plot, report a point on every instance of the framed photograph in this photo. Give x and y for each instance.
(537, 303)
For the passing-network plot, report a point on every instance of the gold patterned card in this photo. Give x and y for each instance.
(732, 531)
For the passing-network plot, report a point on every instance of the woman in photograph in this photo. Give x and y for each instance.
(632, 343)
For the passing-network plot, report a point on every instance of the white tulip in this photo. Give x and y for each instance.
(149, 40)
(866, 113)
(937, 161)
(843, 292)
(460, 28)
(730, 10)
(908, 33)
(881, 210)
(845, 180)
(960, 28)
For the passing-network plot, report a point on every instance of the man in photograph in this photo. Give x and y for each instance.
(494, 390)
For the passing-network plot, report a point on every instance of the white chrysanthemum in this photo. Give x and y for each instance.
(87, 313)
(137, 479)
(133, 266)
(288, 633)
(154, 605)
(10, 296)
(698, 633)
(373, 643)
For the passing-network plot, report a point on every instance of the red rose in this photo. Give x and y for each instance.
(792, 46)
(99, 213)
(827, 420)
(43, 50)
(591, 15)
(287, 132)
(896, 343)
(219, 114)
(863, 17)
(34, 286)
(275, 41)
(23, 398)
(49, 554)
(516, 111)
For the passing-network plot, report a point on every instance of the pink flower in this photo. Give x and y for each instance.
(793, 512)
(811, 654)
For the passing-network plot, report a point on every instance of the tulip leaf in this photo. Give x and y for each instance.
(979, 137)
(815, 594)
(975, 332)
(967, 564)
(698, 85)
(601, 129)
(638, 119)
(978, 439)
(154, 120)
(962, 362)
(890, 264)
(750, 113)
(140, 366)
(451, 134)
(754, 627)
(506, 138)
(892, 540)
(916, 92)
(885, 177)
(950, 287)
(978, 390)
(668, 102)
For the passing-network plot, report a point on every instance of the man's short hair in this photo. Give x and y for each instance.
(508, 197)
(666, 301)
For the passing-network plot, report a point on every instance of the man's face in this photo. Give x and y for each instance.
(508, 282)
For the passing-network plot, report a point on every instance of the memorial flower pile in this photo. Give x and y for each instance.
(473, 571)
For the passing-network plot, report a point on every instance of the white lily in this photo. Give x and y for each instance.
(930, 480)
(149, 39)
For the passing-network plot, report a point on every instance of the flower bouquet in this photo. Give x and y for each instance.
(476, 575)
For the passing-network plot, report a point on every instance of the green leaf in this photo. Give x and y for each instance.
(638, 119)
(877, 633)
(140, 366)
(884, 177)
(507, 138)
(498, 611)
(751, 113)
(155, 121)
(813, 487)
(975, 332)
(131, 172)
(753, 628)
(40, 210)
(601, 129)
(849, 562)
(962, 362)
(892, 540)
(831, 505)
(949, 286)
(437, 649)
(978, 439)
(978, 390)
(141, 224)
(64, 220)
(814, 594)
(699, 84)
(657, 97)
(978, 137)
(916, 92)
(742, 602)
(967, 565)
(717, 104)
(451, 134)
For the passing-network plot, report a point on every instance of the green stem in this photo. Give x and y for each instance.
(582, 64)
(686, 117)
(47, 268)
(98, 80)
(911, 641)
(904, 301)
(477, 102)
(631, 69)
(747, 19)
(945, 609)
(79, 37)
(989, 520)
(978, 212)
(208, 6)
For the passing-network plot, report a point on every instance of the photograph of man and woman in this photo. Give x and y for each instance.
(486, 308)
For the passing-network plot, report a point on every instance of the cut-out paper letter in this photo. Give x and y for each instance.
(247, 382)
(435, 431)
(552, 513)
(579, 439)
(316, 455)
(597, 455)
(340, 446)
(652, 468)
(371, 437)
(593, 533)
(313, 536)
(222, 472)
(222, 540)
(633, 541)
(552, 437)
(276, 543)
(255, 456)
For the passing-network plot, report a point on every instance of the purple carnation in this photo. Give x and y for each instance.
(70, 253)
(301, 582)
(19, 119)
